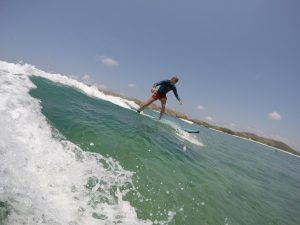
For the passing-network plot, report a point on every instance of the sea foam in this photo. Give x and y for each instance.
(92, 91)
(180, 133)
(46, 179)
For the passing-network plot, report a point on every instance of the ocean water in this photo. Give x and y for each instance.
(72, 155)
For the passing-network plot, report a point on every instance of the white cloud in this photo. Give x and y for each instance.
(107, 61)
(274, 116)
(232, 124)
(86, 78)
(209, 118)
(259, 132)
(279, 138)
(200, 107)
(132, 85)
(74, 77)
(101, 86)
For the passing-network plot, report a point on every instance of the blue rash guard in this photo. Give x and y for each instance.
(165, 86)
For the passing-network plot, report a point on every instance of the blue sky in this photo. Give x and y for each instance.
(238, 61)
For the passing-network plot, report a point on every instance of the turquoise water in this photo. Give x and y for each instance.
(207, 178)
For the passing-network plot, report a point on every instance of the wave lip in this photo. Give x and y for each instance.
(46, 179)
(92, 91)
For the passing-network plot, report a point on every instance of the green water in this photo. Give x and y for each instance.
(226, 181)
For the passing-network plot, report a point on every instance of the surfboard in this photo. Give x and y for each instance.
(192, 131)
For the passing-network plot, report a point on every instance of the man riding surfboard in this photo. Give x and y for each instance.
(164, 87)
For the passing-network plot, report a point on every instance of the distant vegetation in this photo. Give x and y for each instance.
(250, 136)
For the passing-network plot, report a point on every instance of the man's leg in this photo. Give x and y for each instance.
(163, 107)
(149, 102)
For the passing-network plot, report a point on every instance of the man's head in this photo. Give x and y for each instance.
(174, 80)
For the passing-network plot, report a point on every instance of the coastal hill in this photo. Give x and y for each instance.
(245, 135)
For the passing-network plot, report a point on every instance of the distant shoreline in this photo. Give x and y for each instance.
(257, 142)
(280, 146)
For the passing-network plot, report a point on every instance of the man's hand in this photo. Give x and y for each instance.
(180, 102)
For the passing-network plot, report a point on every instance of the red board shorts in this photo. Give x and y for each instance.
(159, 96)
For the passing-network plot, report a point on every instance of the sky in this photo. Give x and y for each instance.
(238, 61)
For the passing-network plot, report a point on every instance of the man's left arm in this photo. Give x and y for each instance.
(176, 94)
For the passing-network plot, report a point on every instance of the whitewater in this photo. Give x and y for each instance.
(42, 175)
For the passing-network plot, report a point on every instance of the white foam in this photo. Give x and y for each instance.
(183, 134)
(187, 121)
(189, 137)
(92, 91)
(46, 179)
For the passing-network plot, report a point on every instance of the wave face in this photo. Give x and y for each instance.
(46, 179)
(69, 154)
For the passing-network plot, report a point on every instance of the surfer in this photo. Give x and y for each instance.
(164, 87)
